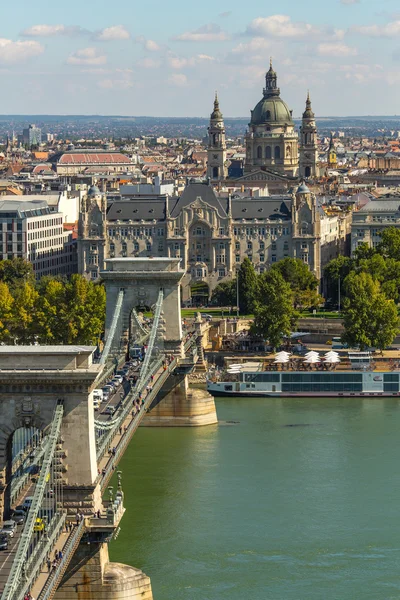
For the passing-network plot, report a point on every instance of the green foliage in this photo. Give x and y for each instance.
(16, 270)
(274, 315)
(53, 311)
(389, 246)
(225, 294)
(302, 281)
(6, 305)
(247, 286)
(369, 318)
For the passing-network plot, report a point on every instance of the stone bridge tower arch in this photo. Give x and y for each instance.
(142, 279)
(32, 380)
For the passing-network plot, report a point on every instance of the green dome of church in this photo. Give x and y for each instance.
(271, 110)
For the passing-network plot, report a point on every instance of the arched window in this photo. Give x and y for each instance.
(307, 172)
(268, 152)
(259, 152)
(268, 114)
(277, 152)
(288, 153)
(215, 172)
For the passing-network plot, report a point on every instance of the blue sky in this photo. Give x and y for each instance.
(167, 58)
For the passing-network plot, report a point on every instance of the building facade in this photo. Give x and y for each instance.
(373, 218)
(29, 230)
(210, 234)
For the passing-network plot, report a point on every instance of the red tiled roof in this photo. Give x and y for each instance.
(92, 158)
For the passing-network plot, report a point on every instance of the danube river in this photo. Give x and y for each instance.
(287, 499)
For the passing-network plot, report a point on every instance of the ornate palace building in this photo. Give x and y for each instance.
(210, 234)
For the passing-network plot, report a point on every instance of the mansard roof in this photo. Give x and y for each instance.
(271, 208)
(194, 190)
(137, 210)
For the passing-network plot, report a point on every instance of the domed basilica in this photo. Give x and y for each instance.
(273, 153)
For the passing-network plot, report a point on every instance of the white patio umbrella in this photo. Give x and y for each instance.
(331, 357)
(312, 360)
(281, 359)
(282, 353)
(311, 353)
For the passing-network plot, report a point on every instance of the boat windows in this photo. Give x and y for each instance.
(321, 387)
(336, 377)
(262, 377)
(228, 388)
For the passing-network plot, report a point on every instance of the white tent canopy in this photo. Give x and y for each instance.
(312, 360)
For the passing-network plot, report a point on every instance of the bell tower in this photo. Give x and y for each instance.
(308, 143)
(216, 164)
(332, 156)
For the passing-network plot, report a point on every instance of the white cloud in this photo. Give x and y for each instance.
(336, 49)
(116, 32)
(87, 56)
(178, 79)
(255, 45)
(179, 62)
(52, 30)
(206, 33)
(15, 52)
(148, 63)
(149, 45)
(280, 26)
(389, 30)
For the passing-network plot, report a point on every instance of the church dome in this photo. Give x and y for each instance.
(94, 191)
(271, 110)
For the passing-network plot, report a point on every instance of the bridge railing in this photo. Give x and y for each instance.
(54, 578)
(18, 482)
(136, 420)
(113, 328)
(28, 550)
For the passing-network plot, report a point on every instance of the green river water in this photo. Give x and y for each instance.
(298, 500)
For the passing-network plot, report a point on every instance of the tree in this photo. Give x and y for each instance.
(247, 286)
(389, 246)
(337, 269)
(225, 294)
(6, 303)
(16, 270)
(369, 318)
(302, 281)
(23, 326)
(274, 315)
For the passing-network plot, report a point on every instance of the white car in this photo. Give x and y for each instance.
(118, 378)
(9, 528)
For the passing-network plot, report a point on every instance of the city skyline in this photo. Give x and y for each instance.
(121, 62)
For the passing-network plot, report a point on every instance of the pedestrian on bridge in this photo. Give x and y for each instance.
(120, 430)
(48, 563)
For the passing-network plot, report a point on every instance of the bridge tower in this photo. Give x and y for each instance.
(141, 280)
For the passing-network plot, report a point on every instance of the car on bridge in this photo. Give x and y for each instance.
(19, 516)
(9, 528)
(109, 410)
(3, 542)
(39, 525)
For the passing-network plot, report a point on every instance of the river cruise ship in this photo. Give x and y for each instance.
(356, 374)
